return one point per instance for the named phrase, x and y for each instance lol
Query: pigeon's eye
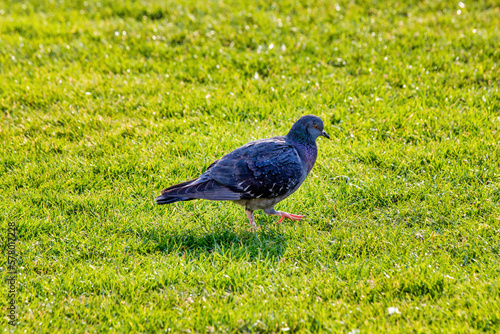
(316, 127)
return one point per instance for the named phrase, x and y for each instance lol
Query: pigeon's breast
(309, 154)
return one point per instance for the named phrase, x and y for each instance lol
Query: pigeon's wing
(262, 169)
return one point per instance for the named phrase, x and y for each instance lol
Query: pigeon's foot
(288, 216)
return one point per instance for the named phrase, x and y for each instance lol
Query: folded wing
(266, 168)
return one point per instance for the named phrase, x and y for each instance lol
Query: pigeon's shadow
(263, 243)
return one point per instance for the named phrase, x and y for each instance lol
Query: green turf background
(103, 104)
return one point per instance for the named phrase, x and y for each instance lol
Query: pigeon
(259, 174)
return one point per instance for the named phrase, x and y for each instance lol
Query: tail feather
(163, 199)
(194, 189)
(166, 196)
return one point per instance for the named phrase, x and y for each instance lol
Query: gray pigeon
(259, 174)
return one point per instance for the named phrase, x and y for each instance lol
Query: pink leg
(288, 216)
(250, 218)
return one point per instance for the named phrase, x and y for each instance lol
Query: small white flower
(393, 310)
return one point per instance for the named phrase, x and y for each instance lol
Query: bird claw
(289, 216)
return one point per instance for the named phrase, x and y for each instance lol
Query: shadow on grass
(267, 244)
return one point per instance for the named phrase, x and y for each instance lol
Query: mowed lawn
(103, 104)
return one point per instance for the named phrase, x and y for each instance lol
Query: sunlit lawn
(103, 104)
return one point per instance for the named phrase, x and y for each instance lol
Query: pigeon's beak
(324, 134)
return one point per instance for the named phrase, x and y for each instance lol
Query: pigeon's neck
(308, 151)
(301, 137)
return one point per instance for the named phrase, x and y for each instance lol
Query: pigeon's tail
(197, 188)
(168, 195)
(165, 199)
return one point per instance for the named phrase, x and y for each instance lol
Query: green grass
(103, 104)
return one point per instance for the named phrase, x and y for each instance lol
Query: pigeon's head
(308, 128)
